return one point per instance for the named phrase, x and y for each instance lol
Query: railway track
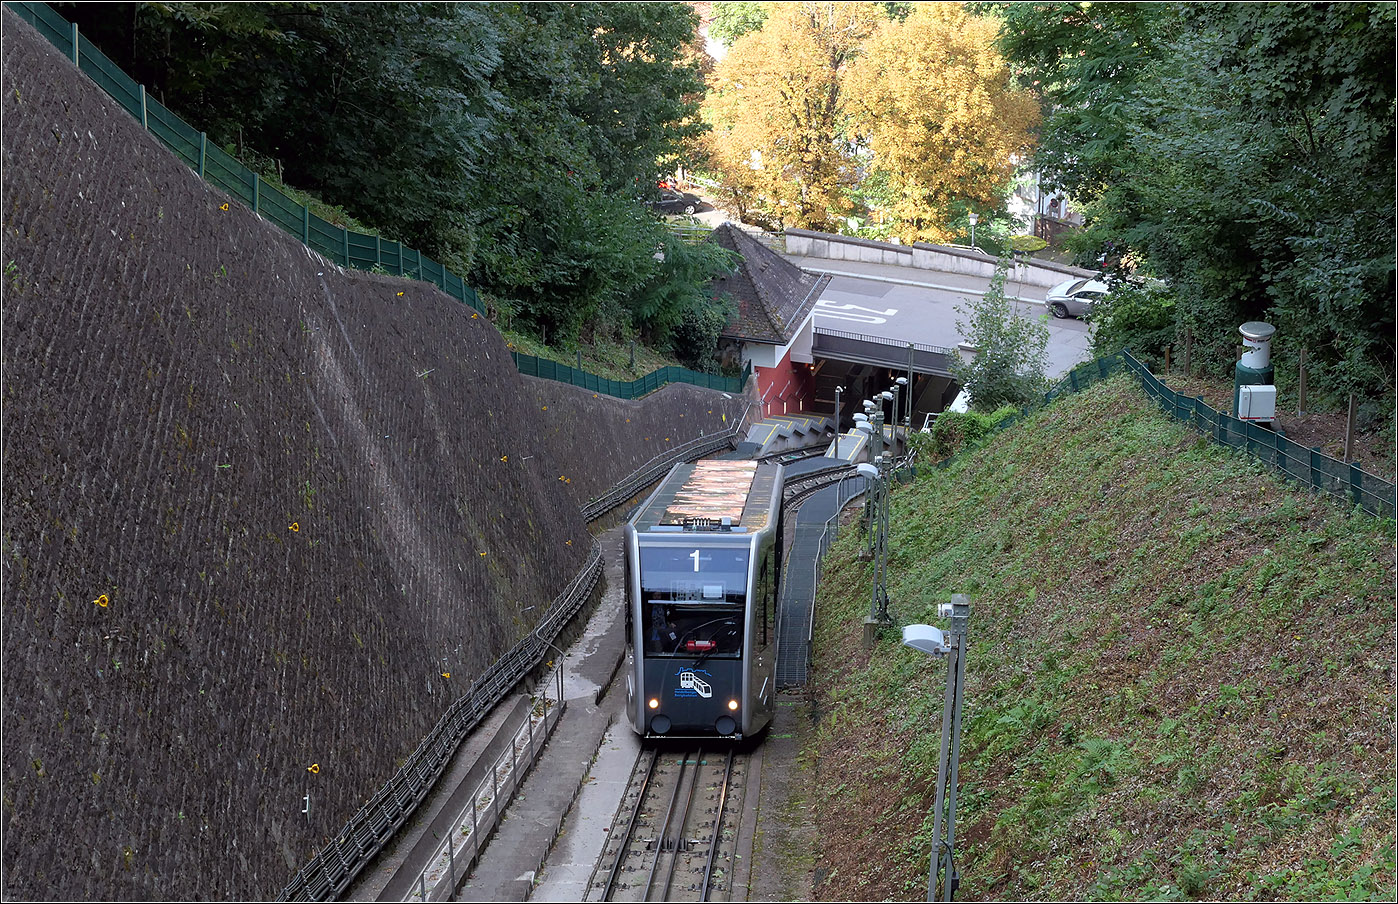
(674, 836)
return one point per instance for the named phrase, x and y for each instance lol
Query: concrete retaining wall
(921, 256)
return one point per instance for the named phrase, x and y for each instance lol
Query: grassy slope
(1180, 681)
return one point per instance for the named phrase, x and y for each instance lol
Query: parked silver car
(1075, 297)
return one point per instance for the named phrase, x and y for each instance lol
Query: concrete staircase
(784, 432)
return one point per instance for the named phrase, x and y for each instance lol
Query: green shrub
(1011, 350)
(956, 430)
(1141, 318)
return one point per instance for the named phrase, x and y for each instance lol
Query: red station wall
(786, 388)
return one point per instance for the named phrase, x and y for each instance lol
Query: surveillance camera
(944, 610)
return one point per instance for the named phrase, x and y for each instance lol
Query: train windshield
(695, 574)
(693, 599)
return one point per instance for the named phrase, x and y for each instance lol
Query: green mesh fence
(1310, 467)
(633, 389)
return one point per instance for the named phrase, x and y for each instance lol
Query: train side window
(764, 584)
(767, 594)
(626, 595)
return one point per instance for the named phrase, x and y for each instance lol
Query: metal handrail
(826, 538)
(879, 340)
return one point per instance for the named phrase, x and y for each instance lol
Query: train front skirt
(689, 698)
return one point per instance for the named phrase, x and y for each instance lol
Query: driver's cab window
(676, 629)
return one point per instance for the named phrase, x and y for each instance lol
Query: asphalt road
(903, 304)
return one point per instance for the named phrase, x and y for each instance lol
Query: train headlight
(732, 705)
(654, 703)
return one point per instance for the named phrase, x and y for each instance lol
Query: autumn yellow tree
(777, 107)
(933, 99)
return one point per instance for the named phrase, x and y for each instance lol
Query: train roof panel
(713, 490)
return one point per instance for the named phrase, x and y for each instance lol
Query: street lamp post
(861, 425)
(894, 416)
(885, 464)
(952, 644)
(837, 421)
(908, 420)
(878, 597)
(975, 218)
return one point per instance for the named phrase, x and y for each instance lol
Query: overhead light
(926, 639)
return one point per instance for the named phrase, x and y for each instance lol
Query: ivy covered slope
(1179, 684)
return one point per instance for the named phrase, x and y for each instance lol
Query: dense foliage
(834, 116)
(515, 142)
(1242, 152)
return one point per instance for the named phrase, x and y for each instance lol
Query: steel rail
(665, 825)
(718, 827)
(630, 827)
(684, 821)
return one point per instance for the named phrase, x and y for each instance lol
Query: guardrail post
(451, 859)
(74, 39)
(305, 224)
(145, 124)
(256, 193)
(344, 238)
(203, 151)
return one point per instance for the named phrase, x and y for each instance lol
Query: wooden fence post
(1349, 431)
(1301, 385)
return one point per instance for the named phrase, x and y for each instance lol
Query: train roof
(707, 492)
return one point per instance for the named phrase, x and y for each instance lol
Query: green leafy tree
(736, 18)
(513, 142)
(1242, 152)
(1011, 349)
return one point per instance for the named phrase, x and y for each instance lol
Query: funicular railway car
(703, 563)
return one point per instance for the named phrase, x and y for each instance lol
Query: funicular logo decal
(691, 685)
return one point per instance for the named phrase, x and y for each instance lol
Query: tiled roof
(774, 296)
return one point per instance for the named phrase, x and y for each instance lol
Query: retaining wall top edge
(927, 246)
